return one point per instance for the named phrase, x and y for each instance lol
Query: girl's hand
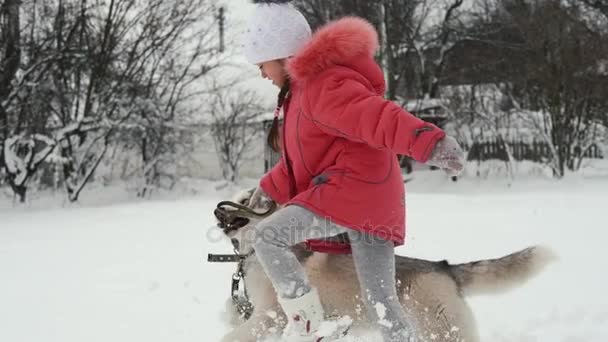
(258, 199)
(448, 155)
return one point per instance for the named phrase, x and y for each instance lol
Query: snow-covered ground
(137, 271)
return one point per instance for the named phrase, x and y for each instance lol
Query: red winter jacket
(341, 137)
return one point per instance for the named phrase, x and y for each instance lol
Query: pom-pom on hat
(276, 30)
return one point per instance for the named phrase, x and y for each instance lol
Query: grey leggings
(374, 260)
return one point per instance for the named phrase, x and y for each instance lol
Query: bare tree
(600, 5)
(417, 37)
(91, 69)
(480, 112)
(25, 153)
(394, 19)
(431, 36)
(10, 49)
(556, 86)
(169, 81)
(319, 12)
(236, 124)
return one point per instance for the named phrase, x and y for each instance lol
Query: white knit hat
(276, 30)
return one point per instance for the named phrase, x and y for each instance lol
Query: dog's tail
(500, 275)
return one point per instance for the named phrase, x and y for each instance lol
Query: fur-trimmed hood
(350, 42)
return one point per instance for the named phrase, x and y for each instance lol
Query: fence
(535, 151)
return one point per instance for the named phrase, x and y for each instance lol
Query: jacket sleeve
(345, 107)
(275, 183)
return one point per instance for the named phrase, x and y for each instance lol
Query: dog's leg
(441, 314)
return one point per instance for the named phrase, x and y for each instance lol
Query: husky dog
(432, 292)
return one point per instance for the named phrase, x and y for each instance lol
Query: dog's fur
(433, 293)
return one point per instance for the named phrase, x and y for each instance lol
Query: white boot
(306, 320)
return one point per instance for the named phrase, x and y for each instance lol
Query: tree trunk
(20, 191)
(9, 16)
(383, 41)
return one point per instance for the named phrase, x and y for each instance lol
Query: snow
(335, 328)
(137, 271)
(115, 268)
(14, 164)
(421, 105)
(381, 312)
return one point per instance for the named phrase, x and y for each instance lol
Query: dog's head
(238, 221)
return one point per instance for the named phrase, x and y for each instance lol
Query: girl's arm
(343, 106)
(275, 183)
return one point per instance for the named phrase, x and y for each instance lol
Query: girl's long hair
(273, 138)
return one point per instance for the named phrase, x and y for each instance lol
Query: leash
(228, 221)
(239, 211)
(242, 303)
(240, 299)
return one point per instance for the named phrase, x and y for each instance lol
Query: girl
(339, 171)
